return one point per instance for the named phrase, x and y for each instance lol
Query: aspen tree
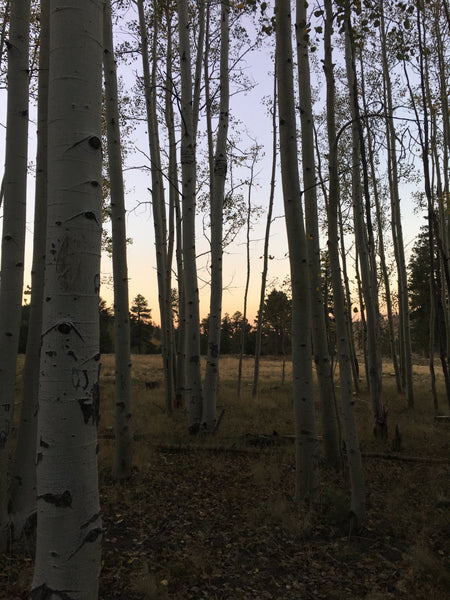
(23, 487)
(193, 388)
(345, 371)
(396, 221)
(216, 211)
(319, 334)
(124, 437)
(69, 527)
(364, 238)
(13, 234)
(158, 198)
(306, 447)
(175, 210)
(266, 240)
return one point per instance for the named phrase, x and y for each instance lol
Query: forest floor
(213, 517)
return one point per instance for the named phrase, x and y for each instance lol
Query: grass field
(213, 516)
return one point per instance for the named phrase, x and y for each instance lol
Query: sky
(254, 123)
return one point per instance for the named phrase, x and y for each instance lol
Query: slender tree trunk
(306, 439)
(364, 241)
(188, 166)
(69, 528)
(397, 232)
(174, 202)
(243, 323)
(23, 485)
(380, 226)
(216, 218)
(319, 334)
(124, 436)
(13, 234)
(266, 241)
(345, 371)
(348, 303)
(158, 200)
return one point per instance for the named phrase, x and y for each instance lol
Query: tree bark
(69, 528)
(266, 241)
(364, 240)
(345, 371)
(216, 218)
(319, 333)
(13, 234)
(23, 485)
(193, 388)
(306, 438)
(123, 454)
(158, 201)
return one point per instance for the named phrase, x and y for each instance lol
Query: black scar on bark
(43, 592)
(39, 457)
(64, 328)
(89, 539)
(89, 410)
(95, 142)
(43, 444)
(63, 500)
(72, 354)
(214, 349)
(91, 520)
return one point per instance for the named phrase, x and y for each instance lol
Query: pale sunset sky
(254, 124)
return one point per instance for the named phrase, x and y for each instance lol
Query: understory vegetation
(213, 516)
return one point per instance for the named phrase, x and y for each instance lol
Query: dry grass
(223, 525)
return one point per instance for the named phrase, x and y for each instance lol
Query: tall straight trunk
(193, 386)
(306, 439)
(243, 322)
(216, 219)
(124, 437)
(319, 333)
(364, 241)
(158, 200)
(345, 371)
(13, 234)
(348, 302)
(23, 485)
(424, 136)
(175, 212)
(380, 229)
(69, 527)
(266, 240)
(397, 232)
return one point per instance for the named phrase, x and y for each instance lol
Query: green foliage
(277, 316)
(141, 327)
(419, 291)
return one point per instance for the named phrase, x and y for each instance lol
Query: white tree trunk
(216, 216)
(364, 249)
(397, 232)
(13, 234)
(343, 347)
(319, 334)
(124, 436)
(69, 528)
(193, 387)
(306, 439)
(23, 485)
(266, 241)
(158, 200)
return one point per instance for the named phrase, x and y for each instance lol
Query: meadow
(213, 516)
